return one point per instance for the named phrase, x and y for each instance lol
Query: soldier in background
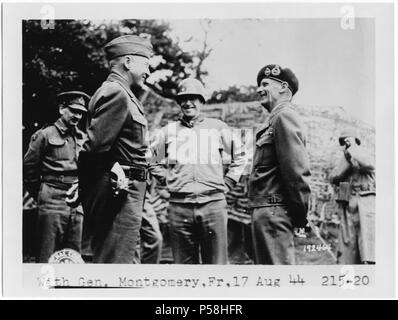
(149, 246)
(50, 170)
(279, 189)
(150, 235)
(354, 177)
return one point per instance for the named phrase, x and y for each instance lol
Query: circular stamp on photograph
(66, 256)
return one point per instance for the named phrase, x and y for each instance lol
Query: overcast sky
(334, 66)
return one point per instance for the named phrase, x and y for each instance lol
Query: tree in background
(71, 57)
(235, 94)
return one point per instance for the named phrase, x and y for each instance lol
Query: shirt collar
(63, 129)
(116, 76)
(278, 108)
(192, 123)
(61, 126)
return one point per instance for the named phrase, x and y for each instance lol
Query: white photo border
(21, 279)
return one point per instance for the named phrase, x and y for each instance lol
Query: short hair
(115, 62)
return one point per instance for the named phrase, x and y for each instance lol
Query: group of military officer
(107, 169)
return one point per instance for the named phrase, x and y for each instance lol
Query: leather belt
(60, 178)
(135, 173)
(60, 181)
(181, 195)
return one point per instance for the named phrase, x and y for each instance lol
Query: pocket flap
(56, 141)
(266, 138)
(137, 117)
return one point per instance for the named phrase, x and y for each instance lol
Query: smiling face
(70, 116)
(138, 69)
(270, 92)
(190, 106)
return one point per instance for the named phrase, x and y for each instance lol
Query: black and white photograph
(203, 142)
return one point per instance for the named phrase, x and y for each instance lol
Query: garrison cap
(128, 44)
(349, 132)
(74, 99)
(276, 72)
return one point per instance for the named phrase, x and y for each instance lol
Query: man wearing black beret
(278, 185)
(112, 166)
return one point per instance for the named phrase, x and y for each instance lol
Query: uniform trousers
(114, 222)
(58, 225)
(272, 233)
(150, 236)
(198, 232)
(357, 231)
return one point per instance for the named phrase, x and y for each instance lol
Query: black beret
(128, 44)
(276, 72)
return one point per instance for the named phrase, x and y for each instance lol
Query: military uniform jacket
(359, 172)
(117, 127)
(53, 150)
(194, 153)
(281, 165)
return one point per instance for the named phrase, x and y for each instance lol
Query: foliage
(71, 57)
(234, 94)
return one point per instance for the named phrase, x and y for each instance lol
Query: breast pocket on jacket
(264, 154)
(59, 149)
(139, 127)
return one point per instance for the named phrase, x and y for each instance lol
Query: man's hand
(163, 193)
(72, 196)
(119, 181)
(349, 141)
(351, 146)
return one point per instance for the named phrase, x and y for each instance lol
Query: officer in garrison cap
(112, 166)
(354, 177)
(50, 170)
(278, 185)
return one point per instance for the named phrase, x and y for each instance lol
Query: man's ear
(61, 109)
(128, 60)
(284, 87)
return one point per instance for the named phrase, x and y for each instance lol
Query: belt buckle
(273, 199)
(137, 174)
(141, 174)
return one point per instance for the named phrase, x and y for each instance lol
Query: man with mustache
(50, 170)
(278, 185)
(193, 148)
(112, 165)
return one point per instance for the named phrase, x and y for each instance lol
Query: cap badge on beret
(276, 71)
(267, 72)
